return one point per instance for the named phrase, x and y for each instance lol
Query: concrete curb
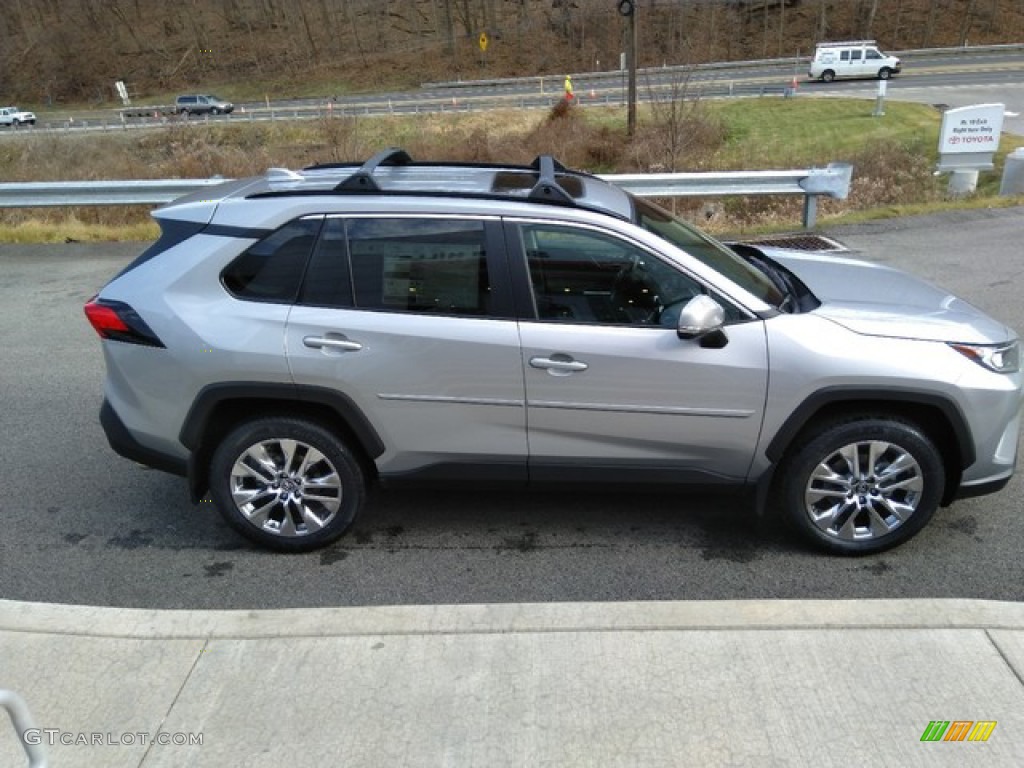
(77, 620)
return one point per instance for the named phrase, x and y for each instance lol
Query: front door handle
(342, 345)
(558, 365)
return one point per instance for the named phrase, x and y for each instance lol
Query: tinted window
(328, 281)
(844, 56)
(582, 276)
(271, 270)
(873, 54)
(419, 265)
(855, 55)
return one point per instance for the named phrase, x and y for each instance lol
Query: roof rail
(547, 189)
(833, 43)
(362, 180)
(545, 181)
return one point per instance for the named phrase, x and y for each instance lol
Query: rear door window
(420, 265)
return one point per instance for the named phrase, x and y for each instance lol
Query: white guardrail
(832, 181)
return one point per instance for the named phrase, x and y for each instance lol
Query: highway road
(78, 524)
(972, 71)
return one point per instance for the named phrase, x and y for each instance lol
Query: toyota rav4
(294, 339)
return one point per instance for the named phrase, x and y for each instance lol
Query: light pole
(627, 8)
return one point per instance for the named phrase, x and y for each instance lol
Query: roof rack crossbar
(547, 189)
(362, 180)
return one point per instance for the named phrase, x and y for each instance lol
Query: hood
(877, 300)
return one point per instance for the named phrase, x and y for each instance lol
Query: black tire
(215, 111)
(884, 73)
(828, 76)
(284, 458)
(884, 501)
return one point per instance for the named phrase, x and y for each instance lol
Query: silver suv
(202, 104)
(292, 340)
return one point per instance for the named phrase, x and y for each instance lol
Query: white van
(852, 58)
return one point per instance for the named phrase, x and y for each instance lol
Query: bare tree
(968, 19)
(676, 113)
(869, 17)
(929, 25)
(449, 27)
(821, 32)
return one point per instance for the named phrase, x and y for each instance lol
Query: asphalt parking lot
(81, 525)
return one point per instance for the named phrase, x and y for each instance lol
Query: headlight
(1001, 358)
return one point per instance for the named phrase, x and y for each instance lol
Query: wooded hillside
(60, 51)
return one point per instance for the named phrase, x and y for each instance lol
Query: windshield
(712, 253)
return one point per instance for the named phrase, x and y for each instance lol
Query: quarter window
(271, 270)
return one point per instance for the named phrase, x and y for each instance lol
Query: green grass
(813, 131)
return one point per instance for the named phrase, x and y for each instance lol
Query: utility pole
(627, 8)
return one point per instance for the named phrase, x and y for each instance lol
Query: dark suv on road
(293, 339)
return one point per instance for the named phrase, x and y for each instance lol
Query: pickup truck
(14, 117)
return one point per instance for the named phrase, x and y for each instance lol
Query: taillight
(118, 321)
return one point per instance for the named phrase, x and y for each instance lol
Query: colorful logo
(958, 730)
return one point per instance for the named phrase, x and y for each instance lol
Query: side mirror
(702, 318)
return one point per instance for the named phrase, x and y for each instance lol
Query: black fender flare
(213, 396)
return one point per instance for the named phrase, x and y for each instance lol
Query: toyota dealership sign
(969, 137)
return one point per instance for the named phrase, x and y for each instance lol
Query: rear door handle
(321, 342)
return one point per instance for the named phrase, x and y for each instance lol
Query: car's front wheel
(884, 73)
(863, 484)
(286, 483)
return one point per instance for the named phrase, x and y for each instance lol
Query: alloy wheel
(286, 487)
(863, 490)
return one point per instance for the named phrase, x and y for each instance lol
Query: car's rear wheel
(828, 76)
(286, 483)
(862, 484)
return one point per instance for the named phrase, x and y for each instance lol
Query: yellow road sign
(483, 41)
